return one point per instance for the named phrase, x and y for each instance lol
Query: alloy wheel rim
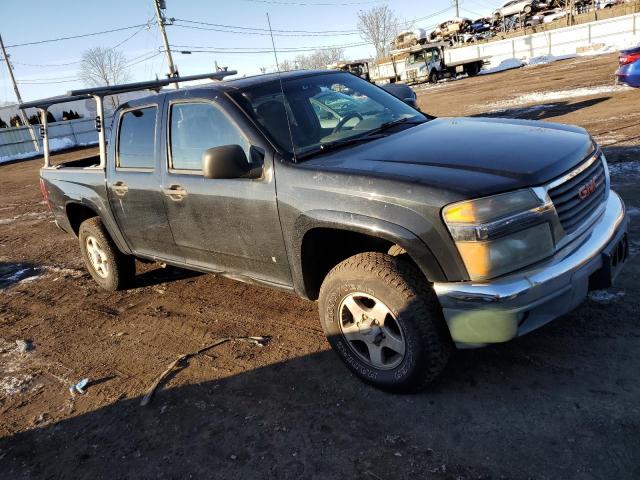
(372, 331)
(97, 257)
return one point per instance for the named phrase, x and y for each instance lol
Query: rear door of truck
(133, 181)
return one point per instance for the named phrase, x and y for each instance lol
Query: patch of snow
(508, 64)
(605, 296)
(29, 279)
(34, 215)
(545, 59)
(13, 385)
(71, 272)
(541, 97)
(624, 168)
(17, 275)
(55, 144)
(60, 143)
(18, 156)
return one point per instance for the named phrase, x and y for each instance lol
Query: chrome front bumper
(497, 311)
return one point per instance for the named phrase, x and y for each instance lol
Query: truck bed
(86, 157)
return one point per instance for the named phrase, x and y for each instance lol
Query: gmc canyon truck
(414, 234)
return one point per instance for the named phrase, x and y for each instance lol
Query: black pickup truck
(414, 234)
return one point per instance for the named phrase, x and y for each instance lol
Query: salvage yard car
(628, 72)
(411, 242)
(518, 7)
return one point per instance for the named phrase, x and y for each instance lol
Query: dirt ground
(561, 402)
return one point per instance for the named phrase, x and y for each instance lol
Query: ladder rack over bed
(98, 94)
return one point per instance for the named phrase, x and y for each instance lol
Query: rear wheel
(109, 267)
(385, 323)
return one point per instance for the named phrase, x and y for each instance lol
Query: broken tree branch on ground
(260, 341)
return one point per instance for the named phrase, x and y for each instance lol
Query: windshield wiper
(335, 145)
(407, 120)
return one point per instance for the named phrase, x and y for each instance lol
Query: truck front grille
(580, 194)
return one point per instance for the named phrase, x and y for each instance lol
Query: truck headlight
(502, 233)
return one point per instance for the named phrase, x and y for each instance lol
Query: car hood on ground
(470, 156)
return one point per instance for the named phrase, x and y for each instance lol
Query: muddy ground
(562, 402)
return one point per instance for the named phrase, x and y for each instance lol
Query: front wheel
(385, 323)
(110, 268)
(433, 77)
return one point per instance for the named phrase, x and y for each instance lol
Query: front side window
(137, 138)
(196, 127)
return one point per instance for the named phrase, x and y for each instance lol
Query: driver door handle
(175, 192)
(120, 188)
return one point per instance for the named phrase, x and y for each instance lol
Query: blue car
(629, 71)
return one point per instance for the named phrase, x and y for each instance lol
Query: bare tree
(103, 66)
(318, 59)
(286, 65)
(378, 26)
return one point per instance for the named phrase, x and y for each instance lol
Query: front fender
(414, 246)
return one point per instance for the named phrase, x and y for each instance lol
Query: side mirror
(227, 161)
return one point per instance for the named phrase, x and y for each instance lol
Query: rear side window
(196, 127)
(137, 138)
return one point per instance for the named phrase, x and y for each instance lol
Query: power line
(39, 42)
(238, 27)
(47, 64)
(146, 25)
(281, 49)
(144, 59)
(265, 34)
(268, 50)
(72, 78)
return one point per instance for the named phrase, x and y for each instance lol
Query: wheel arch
(79, 211)
(325, 238)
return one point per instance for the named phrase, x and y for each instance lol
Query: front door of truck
(229, 225)
(134, 183)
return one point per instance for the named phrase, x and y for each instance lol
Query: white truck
(435, 61)
(429, 62)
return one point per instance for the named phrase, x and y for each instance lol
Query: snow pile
(507, 64)
(18, 156)
(605, 296)
(55, 144)
(624, 169)
(60, 143)
(545, 59)
(542, 97)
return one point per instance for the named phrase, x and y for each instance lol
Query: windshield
(322, 110)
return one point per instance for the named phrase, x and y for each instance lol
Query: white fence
(17, 143)
(616, 32)
(612, 32)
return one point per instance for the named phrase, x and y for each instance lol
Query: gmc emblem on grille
(587, 189)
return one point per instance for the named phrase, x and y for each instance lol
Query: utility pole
(457, 5)
(160, 5)
(23, 116)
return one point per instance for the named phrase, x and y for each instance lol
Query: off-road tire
(121, 268)
(403, 289)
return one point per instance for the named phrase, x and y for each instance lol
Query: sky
(51, 68)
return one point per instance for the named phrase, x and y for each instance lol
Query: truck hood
(469, 156)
